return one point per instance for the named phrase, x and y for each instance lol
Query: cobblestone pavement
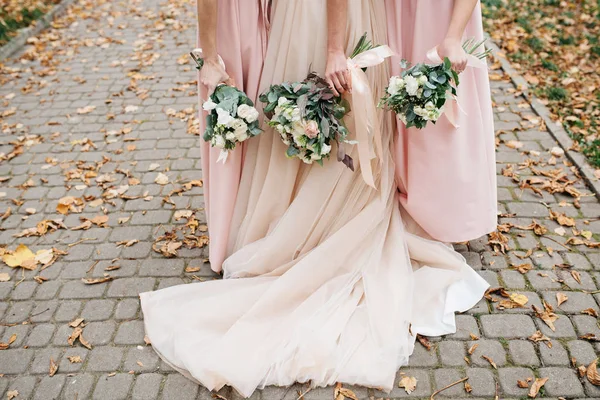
(128, 60)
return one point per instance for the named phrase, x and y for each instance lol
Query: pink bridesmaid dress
(241, 42)
(446, 175)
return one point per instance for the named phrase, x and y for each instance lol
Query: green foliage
(550, 65)
(556, 93)
(535, 43)
(13, 20)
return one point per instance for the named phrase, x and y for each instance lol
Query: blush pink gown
(241, 42)
(446, 175)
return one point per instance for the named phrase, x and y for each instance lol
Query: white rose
(412, 85)
(224, 118)
(325, 149)
(433, 115)
(315, 156)
(219, 142)
(429, 106)
(250, 114)
(297, 129)
(421, 112)
(422, 79)
(240, 129)
(209, 105)
(396, 85)
(282, 101)
(279, 128)
(295, 114)
(230, 136)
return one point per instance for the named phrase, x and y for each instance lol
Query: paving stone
(577, 301)
(98, 310)
(582, 351)
(19, 311)
(586, 324)
(452, 353)
(40, 335)
(130, 332)
(21, 332)
(66, 365)
(68, 310)
(146, 387)
(444, 377)
(177, 387)
(162, 267)
(48, 290)
(513, 279)
(507, 326)
(531, 210)
(489, 348)
(99, 333)
(78, 290)
(561, 382)
(141, 359)
(24, 291)
(482, 381)
(543, 280)
(465, 326)
(480, 308)
(494, 261)
(105, 359)
(130, 287)
(508, 378)
(41, 361)
(127, 309)
(49, 387)
(78, 386)
(578, 261)
(15, 361)
(24, 385)
(563, 328)
(522, 352)
(532, 299)
(422, 358)
(113, 387)
(491, 277)
(555, 355)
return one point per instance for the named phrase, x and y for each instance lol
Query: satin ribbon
(368, 133)
(223, 154)
(452, 108)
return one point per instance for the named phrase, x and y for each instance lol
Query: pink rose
(312, 129)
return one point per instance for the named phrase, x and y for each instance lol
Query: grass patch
(15, 15)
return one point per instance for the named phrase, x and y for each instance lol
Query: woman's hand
(452, 48)
(212, 74)
(337, 74)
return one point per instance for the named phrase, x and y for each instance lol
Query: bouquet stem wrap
(368, 133)
(452, 107)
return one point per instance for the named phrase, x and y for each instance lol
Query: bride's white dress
(327, 282)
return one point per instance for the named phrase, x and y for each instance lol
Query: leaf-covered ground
(556, 46)
(17, 14)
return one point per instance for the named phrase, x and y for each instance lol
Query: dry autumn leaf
(592, 373)
(590, 311)
(53, 367)
(75, 359)
(4, 277)
(12, 394)
(94, 281)
(536, 386)
(522, 384)
(21, 257)
(408, 383)
(161, 179)
(561, 298)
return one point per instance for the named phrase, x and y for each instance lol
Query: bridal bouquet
(308, 118)
(231, 118)
(421, 93)
(307, 115)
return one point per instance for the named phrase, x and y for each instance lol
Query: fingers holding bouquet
(455, 52)
(337, 73)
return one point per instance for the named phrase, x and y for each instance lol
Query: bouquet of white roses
(307, 116)
(231, 118)
(420, 94)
